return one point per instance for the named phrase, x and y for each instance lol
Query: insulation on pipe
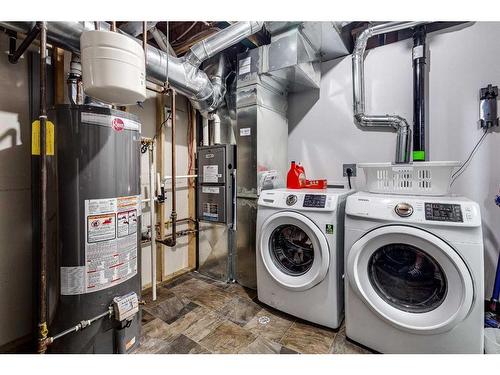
(162, 41)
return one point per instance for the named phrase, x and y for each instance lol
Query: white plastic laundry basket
(420, 178)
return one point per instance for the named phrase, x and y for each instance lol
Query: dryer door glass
(291, 250)
(407, 278)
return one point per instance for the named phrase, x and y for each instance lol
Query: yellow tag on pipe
(49, 138)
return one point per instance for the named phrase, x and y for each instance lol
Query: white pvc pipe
(205, 132)
(153, 222)
(180, 177)
(216, 119)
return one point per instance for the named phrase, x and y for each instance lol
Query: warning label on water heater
(110, 246)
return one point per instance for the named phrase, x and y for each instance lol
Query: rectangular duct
(297, 49)
(293, 61)
(262, 141)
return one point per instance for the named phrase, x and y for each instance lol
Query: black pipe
(15, 54)
(42, 325)
(419, 77)
(12, 42)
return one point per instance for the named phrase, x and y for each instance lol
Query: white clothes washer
(300, 253)
(414, 273)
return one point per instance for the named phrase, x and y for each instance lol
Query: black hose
(349, 175)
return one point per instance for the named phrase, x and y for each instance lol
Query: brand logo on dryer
(291, 200)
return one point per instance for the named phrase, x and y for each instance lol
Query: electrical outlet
(353, 168)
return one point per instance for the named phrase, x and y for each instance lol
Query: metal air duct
(183, 73)
(364, 120)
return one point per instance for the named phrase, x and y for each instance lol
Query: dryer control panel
(442, 211)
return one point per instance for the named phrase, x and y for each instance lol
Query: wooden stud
(59, 76)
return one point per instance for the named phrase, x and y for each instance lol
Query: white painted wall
(322, 134)
(15, 199)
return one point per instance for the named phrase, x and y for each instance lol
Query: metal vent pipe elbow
(403, 146)
(216, 43)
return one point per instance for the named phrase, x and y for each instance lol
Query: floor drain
(264, 320)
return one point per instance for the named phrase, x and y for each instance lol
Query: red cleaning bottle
(295, 176)
(302, 175)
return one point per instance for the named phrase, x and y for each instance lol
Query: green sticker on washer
(329, 228)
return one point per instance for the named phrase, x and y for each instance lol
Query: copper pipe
(113, 26)
(167, 240)
(42, 323)
(172, 240)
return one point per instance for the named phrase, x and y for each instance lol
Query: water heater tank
(95, 221)
(113, 67)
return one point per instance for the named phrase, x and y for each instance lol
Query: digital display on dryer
(314, 200)
(443, 212)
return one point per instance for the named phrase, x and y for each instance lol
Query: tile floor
(195, 314)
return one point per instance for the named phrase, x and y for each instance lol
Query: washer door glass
(407, 278)
(291, 249)
(411, 279)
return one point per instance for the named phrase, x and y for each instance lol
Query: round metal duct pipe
(183, 73)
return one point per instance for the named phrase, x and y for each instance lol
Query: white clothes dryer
(414, 273)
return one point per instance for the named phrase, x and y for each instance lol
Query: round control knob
(403, 209)
(291, 200)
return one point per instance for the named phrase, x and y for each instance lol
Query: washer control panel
(303, 200)
(443, 212)
(314, 200)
